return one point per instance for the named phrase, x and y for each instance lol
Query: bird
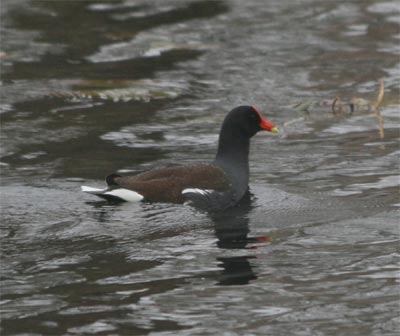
(212, 186)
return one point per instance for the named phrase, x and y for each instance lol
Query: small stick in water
(378, 111)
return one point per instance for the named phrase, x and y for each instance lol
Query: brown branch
(378, 111)
(339, 101)
(380, 95)
(380, 123)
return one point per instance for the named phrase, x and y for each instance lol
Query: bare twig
(338, 101)
(380, 123)
(377, 103)
(380, 95)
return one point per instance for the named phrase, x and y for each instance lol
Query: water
(90, 88)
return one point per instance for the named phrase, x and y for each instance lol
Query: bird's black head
(246, 121)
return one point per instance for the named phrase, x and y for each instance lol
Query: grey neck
(233, 157)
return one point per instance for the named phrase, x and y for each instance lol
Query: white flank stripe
(125, 194)
(196, 191)
(91, 190)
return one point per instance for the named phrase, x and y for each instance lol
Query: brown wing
(166, 184)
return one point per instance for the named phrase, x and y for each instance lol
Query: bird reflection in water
(232, 230)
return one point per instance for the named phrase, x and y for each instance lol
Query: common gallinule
(216, 185)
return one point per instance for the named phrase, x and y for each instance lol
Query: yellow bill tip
(275, 130)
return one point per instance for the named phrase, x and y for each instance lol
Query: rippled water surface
(94, 87)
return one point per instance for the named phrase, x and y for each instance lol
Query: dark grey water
(94, 87)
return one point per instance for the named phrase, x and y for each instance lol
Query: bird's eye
(254, 117)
